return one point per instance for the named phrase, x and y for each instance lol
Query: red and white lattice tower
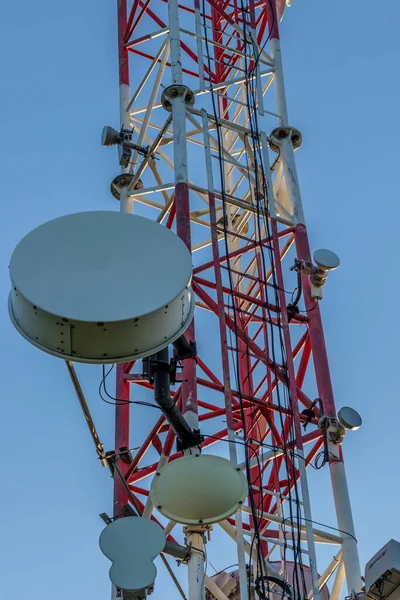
(201, 84)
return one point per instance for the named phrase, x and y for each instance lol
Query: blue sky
(58, 88)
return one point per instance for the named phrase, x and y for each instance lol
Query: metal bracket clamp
(181, 553)
(317, 276)
(204, 530)
(304, 266)
(173, 91)
(334, 429)
(310, 413)
(150, 366)
(194, 442)
(182, 349)
(197, 528)
(123, 139)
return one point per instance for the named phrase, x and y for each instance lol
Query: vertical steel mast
(201, 84)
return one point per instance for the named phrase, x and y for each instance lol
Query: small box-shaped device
(382, 573)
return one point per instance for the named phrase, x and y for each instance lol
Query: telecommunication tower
(207, 150)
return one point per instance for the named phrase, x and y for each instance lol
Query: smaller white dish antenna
(349, 418)
(198, 489)
(132, 543)
(326, 260)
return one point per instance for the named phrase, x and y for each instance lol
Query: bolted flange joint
(121, 181)
(173, 91)
(281, 133)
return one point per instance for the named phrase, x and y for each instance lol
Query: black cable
(279, 449)
(298, 289)
(306, 312)
(253, 115)
(251, 497)
(330, 527)
(118, 401)
(318, 464)
(223, 570)
(291, 471)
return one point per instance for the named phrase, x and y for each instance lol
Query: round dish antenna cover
(198, 489)
(349, 418)
(101, 287)
(326, 259)
(132, 543)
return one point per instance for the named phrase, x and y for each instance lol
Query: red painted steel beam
(320, 357)
(256, 301)
(146, 444)
(184, 46)
(150, 57)
(236, 253)
(210, 441)
(256, 366)
(122, 387)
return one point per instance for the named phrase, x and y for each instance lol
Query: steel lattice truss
(200, 180)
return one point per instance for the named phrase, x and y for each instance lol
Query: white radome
(101, 287)
(198, 489)
(349, 418)
(326, 259)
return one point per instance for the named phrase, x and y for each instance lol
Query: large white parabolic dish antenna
(101, 287)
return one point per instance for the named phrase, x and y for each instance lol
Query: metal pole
(346, 525)
(196, 572)
(189, 389)
(243, 584)
(123, 65)
(338, 583)
(337, 470)
(296, 418)
(122, 386)
(330, 569)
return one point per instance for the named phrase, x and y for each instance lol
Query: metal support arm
(187, 437)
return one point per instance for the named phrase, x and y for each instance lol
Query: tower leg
(337, 469)
(346, 525)
(196, 571)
